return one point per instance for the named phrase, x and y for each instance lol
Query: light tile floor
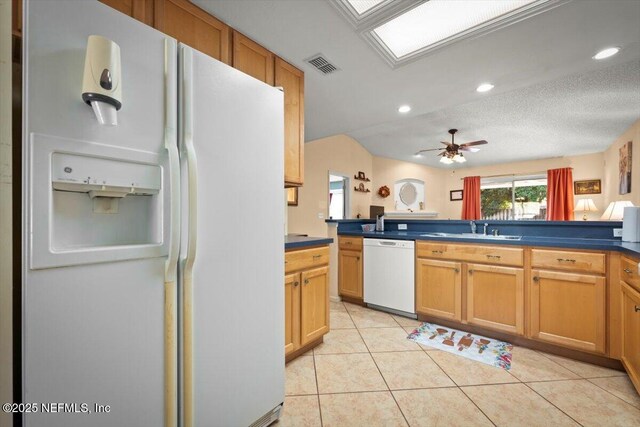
(366, 373)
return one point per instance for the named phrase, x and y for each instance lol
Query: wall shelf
(361, 191)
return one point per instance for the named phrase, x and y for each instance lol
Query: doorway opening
(338, 196)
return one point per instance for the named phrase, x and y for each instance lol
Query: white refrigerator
(153, 254)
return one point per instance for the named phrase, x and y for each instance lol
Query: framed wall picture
(589, 186)
(292, 196)
(455, 195)
(624, 167)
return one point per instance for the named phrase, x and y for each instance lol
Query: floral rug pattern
(475, 347)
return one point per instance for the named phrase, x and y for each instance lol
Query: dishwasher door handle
(386, 243)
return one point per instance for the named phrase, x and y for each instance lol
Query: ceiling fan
(452, 151)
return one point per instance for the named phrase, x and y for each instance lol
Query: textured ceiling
(551, 99)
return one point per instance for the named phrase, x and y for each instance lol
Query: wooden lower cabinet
(439, 288)
(495, 297)
(630, 354)
(569, 309)
(292, 312)
(306, 298)
(314, 304)
(350, 274)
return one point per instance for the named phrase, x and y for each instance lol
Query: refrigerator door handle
(186, 89)
(192, 174)
(171, 145)
(171, 266)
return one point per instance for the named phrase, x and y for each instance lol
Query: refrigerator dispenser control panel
(103, 177)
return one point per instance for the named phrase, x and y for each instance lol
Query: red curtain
(471, 198)
(560, 194)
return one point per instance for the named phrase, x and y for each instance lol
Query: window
(514, 197)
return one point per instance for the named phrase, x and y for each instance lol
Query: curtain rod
(512, 174)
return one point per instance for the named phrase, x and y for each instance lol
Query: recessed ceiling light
(417, 155)
(485, 87)
(606, 53)
(404, 109)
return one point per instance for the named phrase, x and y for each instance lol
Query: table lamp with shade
(584, 206)
(615, 210)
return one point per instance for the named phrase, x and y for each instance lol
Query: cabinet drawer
(306, 258)
(474, 253)
(566, 260)
(346, 242)
(629, 272)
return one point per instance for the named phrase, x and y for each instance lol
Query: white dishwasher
(389, 278)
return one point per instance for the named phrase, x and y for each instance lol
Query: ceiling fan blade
(469, 149)
(469, 144)
(432, 149)
(445, 143)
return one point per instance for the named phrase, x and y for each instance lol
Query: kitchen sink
(472, 236)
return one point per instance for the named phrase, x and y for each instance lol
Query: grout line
(597, 385)
(476, 405)
(552, 404)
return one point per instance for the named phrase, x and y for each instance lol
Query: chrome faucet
(485, 228)
(473, 227)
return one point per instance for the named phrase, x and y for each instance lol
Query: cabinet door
(193, 26)
(16, 17)
(439, 288)
(568, 309)
(350, 274)
(291, 312)
(495, 297)
(251, 58)
(292, 81)
(631, 333)
(142, 10)
(314, 304)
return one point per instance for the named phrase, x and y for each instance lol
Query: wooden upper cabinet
(193, 26)
(16, 17)
(292, 81)
(252, 59)
(142, 10)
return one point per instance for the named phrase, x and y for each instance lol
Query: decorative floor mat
(475, 347)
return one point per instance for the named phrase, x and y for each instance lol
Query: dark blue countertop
(293, 241)
(574, 234)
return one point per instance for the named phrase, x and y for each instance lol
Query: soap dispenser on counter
(380, 222)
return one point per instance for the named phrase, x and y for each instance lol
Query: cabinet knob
(357, 258)
(494, 256)
(347, 243)
(566, 260)
(437, 252)
(636, 308)
(316, 256)
(306, 281)
(626, 270)
(296, 283)
(536, 279)
(470, 271)
(457, 270)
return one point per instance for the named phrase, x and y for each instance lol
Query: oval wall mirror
(408, 194)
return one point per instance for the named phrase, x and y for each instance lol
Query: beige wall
(388, 171)
(611, 158)
(589, 166)
(338, 154)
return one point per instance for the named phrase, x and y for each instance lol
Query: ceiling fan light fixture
(485, 87)
(459, 158)
(606, 53)
(418, 155)
(446, 160)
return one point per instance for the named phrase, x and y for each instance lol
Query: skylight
(362, 6)
(438, 21)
